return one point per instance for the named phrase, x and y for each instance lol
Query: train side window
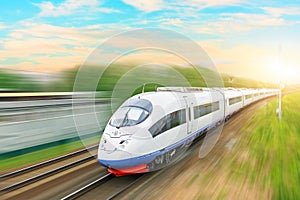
(205, 109)
(235, 100)
(168, 122)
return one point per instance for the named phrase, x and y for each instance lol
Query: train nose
(112, 149)
(112, 159)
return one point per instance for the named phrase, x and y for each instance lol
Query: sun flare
(280, 70)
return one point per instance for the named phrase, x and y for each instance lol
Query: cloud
(159, 20)
(154, 5)
(108, 10)
(238, 22)
(48, 45)
(2, 26)
(277, 12)
(23, 48)
(68, 7)
(200, 4)
(253, 20)
(89, 35)
(65, 8)
(42, 54)
(146, 5)
(174, 22)
(16, 35)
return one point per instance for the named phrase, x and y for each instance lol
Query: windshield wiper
(125, 119)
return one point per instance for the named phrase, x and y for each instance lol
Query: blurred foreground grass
(269, 153)
(45, 154)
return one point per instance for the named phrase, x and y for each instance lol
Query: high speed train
(150, 130)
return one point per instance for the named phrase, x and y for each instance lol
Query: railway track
(14, 180)
(106, 187)
(88, 187)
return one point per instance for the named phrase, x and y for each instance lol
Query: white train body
(150, 129)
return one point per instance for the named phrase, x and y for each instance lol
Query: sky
(247, 38)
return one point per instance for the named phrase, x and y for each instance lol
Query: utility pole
(279, 111)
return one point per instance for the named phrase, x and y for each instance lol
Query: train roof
(166, 97)
(182, 89)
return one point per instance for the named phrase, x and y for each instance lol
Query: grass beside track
(270, 149)
(45, 154)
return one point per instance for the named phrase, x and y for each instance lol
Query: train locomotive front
(128, 144)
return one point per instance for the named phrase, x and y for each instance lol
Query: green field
(271, 150)
(45, 154)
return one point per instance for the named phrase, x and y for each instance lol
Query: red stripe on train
(127, 171)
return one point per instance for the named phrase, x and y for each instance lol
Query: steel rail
(88, 187)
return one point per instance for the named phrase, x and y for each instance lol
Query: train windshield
(128, 116)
